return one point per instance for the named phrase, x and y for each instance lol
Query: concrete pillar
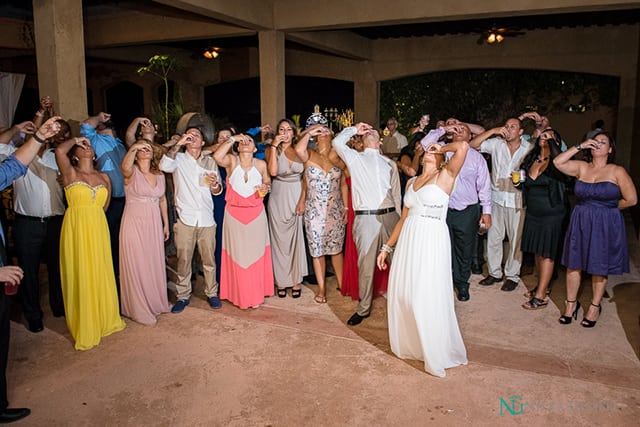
(634, 148)
(272, 71)
(366, 97)
(59, 37)
(627, 110)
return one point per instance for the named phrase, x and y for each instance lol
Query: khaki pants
(369, 233)
(509, 222)
(186, 239)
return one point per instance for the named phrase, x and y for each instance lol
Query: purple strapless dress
(596, 240)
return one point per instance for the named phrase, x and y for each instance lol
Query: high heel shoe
(566, 320)
(586, 323)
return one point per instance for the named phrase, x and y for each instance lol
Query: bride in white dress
(422, 320)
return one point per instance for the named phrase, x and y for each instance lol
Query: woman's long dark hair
(558, 186)
(409, 150)
(554, 149)
(611, 158)
(293, 126)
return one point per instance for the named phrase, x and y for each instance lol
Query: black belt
(37, 218)
(376, 212)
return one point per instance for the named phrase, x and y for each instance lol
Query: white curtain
(10, 89)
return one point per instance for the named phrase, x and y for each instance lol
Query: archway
(125, 101)
(571, 100)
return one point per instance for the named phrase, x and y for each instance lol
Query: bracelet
(39, 113)
(578, 147)
(39, 139)
(386, 248)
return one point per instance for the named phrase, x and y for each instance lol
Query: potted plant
(166, 113)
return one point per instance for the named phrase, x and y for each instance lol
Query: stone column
(633, 120)
(272, 71)
(59, 36)
(366, 97)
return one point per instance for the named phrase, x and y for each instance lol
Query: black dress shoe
(489, 280)
(356, 319)
(36, 326)
(463, 294)
(509, 285)
(10, 415)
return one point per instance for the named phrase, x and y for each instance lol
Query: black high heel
(586, 323)
(566, 320)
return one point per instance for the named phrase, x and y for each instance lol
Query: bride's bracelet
(386, 248)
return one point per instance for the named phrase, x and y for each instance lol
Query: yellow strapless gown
(88, 282)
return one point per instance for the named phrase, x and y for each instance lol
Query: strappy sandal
(566, 320)
(535, 304)
(586, 323)
(295, 293)
(320, 299)
(532, 293)
(282, 292)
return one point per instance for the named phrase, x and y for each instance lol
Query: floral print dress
(323, 211)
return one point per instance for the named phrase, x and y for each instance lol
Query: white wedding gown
(422, 320)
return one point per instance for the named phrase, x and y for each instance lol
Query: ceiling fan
(496, 35)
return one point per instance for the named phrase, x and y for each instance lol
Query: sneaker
(214, 302)
(179, 306)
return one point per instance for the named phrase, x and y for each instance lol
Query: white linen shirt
(374, 178)
(38, 193)
(193, 201)
(503, 192)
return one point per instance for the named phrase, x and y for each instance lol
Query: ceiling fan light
(499, 38)
(491, 38)
(211, 53)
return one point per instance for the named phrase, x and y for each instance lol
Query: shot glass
(10, 289)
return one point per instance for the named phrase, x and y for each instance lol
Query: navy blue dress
(219, 203)
(596, 241)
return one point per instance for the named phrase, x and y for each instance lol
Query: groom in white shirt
(376, 202)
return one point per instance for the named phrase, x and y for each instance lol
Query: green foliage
(488, 97)
(172, 113)
(161, 66)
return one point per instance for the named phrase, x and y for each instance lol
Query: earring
(75, 158)
(94, 158)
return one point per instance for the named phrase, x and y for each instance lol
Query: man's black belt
(376, 212)
(37, 218)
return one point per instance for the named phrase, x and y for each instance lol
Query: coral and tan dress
(246, 275)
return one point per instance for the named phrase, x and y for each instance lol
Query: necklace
(540, 160)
